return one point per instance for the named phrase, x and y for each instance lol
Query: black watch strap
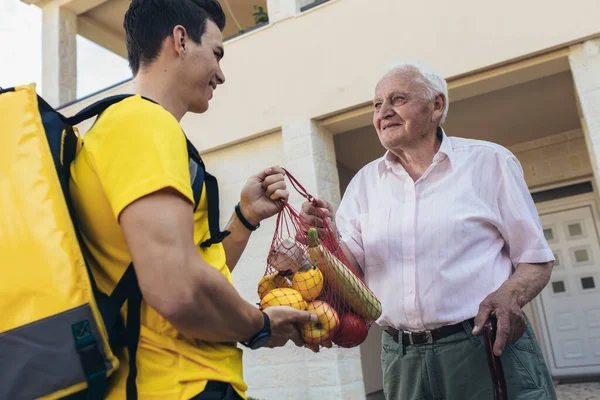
(262, 337)
(243, 219)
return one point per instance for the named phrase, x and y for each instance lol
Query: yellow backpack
(58, 331)
(54, 339)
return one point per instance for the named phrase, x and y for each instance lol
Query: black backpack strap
(200, 177)
(128, 289)
(96, 109)
(88, 346)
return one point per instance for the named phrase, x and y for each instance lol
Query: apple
(309, 283)
(283, 297)
(353, 330)
(270, 282)
(315, 333)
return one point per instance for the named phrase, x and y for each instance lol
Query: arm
(182, 287)
(175, 280)
(528, 281)
(236, 242)
(259, 200)
(506, 302)
(528, 250)
(150, 194)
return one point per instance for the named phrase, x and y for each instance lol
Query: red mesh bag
(307, 270)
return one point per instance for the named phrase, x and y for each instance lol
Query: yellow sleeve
(141, 150)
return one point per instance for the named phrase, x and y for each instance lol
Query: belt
(426, 337)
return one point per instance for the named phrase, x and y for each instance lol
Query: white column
(309, 155)
(585, 66)
(282, 9)
(59, 54)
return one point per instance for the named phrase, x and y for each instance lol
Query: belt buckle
(428, 337)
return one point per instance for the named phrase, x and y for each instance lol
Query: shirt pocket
(375, 235)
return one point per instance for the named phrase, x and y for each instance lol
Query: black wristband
(243, 219)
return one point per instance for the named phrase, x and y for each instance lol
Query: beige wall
(328, 59)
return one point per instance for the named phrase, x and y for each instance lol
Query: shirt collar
(389, 160)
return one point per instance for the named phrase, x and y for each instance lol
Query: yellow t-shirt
(135, 148)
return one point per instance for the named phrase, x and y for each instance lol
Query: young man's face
(200, 71)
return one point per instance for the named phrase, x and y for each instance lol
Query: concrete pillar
(309, 155)
(282, 9)
(585, 67)
(59, 54)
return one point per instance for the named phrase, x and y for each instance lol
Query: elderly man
(447, 235)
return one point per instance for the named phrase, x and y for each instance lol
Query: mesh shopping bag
(308, 270)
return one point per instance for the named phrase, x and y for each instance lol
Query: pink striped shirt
(433, 249)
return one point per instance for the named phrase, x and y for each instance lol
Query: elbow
(184, 309)
(176, 293)
(171, 306)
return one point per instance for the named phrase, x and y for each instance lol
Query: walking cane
(494, 362)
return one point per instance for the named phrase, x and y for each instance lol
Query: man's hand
(313, 214)
(261, 194)
(504, 305)
(284, 325)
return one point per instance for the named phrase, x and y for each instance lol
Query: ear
(439, 104)
(180, 40)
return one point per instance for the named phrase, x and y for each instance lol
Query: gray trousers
(455, 368)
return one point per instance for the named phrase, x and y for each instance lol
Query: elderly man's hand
(504, 305)
(315, 213)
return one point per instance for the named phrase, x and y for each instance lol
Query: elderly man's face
(402, 115)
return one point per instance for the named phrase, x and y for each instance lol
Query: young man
(132, 192)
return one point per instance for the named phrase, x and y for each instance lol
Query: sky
(21, 53)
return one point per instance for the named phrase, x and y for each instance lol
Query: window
(575, 230)
(581, 256)
(588, 282)
(559, 287)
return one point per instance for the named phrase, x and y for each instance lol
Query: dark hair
(148, 22)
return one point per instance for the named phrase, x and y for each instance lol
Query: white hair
(432, 81)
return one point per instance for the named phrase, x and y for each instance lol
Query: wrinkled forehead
(398, 81)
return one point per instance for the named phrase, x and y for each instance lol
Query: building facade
(525, 75)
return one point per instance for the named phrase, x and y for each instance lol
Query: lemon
(283, 297)
(309, 283)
